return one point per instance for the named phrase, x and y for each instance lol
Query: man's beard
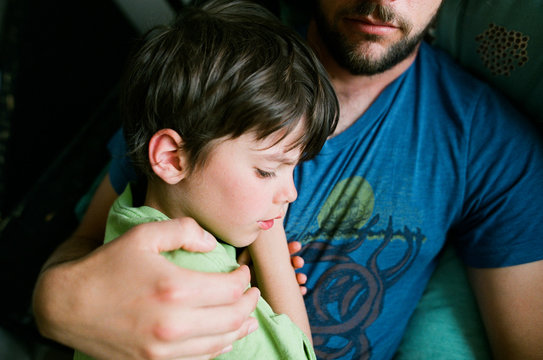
(347, 54)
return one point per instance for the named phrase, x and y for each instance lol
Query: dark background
(60, 62)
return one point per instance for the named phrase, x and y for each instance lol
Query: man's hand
(126, 301)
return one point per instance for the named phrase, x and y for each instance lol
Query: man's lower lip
(368, 28)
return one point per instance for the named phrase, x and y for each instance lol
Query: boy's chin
(242, 241)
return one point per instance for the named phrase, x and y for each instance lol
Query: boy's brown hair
(221, 70)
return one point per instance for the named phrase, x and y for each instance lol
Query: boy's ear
(167, 160)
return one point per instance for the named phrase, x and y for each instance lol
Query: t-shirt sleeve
(502, 221)
(121, 170)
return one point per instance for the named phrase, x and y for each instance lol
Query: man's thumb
(183, 233)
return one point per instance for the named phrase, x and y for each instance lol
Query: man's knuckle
(167, 291)
(217, 347)
(233, 294)
(236, 321)
(152, 352)
(162, 332)
(188, 223)
(139, 233)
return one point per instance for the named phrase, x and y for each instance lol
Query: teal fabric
(446, 323)
(277, 337)
(502, 42)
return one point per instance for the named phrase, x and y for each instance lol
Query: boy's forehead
(290, 157)
(280, 146)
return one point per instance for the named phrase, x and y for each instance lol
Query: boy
(217, 110)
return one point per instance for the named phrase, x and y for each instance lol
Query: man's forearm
(72, 249)
(59, 275)
(56, 273)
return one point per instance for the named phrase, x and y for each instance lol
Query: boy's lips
(267, 224)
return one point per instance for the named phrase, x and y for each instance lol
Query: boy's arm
(276, 278)
(511, 304)
(124, 300)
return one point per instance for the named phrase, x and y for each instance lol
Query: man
(423, 153)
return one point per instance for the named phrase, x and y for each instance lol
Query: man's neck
(355, 93)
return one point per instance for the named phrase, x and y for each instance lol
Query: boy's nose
(292, 193)
(287, 192)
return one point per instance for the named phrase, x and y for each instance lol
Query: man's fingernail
(253, 326)
(226, 349)
(209, 238)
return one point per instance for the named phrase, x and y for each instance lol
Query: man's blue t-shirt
(438, 156)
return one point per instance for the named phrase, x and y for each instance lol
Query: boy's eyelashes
(264, 174)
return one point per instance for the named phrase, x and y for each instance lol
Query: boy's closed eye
(265, 174)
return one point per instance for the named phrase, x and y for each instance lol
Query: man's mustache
(380, 12)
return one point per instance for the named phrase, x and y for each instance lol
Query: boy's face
(244, 187)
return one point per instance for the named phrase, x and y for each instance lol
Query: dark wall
(60, 63)
(64, 57)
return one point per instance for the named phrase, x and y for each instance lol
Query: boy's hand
(297, 263)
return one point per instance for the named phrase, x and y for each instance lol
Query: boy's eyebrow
(280, 158)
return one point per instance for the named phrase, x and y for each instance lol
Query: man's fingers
(206, 320)
(193, 288)
(206, 330)
(174, 234)
(211, 345)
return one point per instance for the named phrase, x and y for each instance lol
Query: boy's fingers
(297, 262)
(294, 247)
(301, 278)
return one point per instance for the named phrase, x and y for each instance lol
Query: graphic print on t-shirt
(348, 296)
